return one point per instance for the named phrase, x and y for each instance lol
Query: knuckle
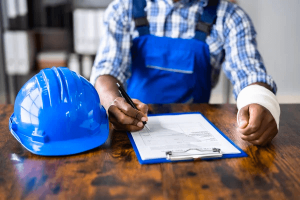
(111, 108)
(249, 138)
(254, 127)
(121, 119)
(126, 109)
(121, 99)
(117, 99)
(242, 132)
(259, 107)
(245, 108)
(136, 101)
(242, 115)
(115, 104)
(145, 107)
(135, 128)
(134, 122)
(138, 115)
(243, 137)
(258, 142)
(254, 137)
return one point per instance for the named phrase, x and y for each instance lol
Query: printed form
(179, 133)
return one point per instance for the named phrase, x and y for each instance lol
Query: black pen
(129, 101)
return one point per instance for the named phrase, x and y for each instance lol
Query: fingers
(117, 125)
(117, 115)
(255, 115)
(130, 111)
(261, 127)
(265, 124)
(273, 134)
(124, 117)
(141, 106)
(267, 137)
(243, 117)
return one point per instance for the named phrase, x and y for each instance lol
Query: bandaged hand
(256, 124)
(258, 115)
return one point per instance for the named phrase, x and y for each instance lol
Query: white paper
(179, 133)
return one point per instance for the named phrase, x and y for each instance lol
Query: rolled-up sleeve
(113, 55)
(243, 63)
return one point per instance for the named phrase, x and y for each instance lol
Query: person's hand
(124, 117)
(256, 124)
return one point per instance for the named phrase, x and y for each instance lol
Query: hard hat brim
(61, 148)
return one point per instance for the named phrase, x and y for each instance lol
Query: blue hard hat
(58, 112)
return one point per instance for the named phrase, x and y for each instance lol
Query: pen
(129, 101)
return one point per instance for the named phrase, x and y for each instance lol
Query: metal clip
(194, 154)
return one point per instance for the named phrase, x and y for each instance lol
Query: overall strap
(207, 20)
(140, 17)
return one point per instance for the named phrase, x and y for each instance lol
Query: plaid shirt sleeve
(113, 57)
(243, 63)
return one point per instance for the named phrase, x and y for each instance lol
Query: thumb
(243, 117)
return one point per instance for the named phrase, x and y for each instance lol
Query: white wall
(277, 23)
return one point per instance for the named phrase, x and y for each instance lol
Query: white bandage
(259, 95)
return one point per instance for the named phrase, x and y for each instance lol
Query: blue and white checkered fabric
(232, 37)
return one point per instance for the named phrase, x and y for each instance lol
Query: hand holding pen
(124, 117)
(129, 101)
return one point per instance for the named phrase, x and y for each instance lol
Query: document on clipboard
(181, 137)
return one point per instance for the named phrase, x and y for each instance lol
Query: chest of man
(173, 19)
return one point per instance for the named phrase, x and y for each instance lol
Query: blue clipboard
(164, 160)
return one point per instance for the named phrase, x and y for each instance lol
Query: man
(171, 51)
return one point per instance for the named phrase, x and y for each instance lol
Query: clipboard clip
(194, 154)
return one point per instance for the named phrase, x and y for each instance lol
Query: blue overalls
(167, 70)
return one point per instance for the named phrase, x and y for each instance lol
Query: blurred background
(37, 34)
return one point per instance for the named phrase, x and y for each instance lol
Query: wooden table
(113, 172)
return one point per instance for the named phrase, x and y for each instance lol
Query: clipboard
(189, 154)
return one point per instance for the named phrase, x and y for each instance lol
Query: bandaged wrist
(256, 94)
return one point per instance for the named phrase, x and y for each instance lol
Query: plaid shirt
(232, 37)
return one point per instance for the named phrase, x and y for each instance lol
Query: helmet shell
(58, 112)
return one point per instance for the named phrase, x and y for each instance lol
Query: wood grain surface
(112, 171)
